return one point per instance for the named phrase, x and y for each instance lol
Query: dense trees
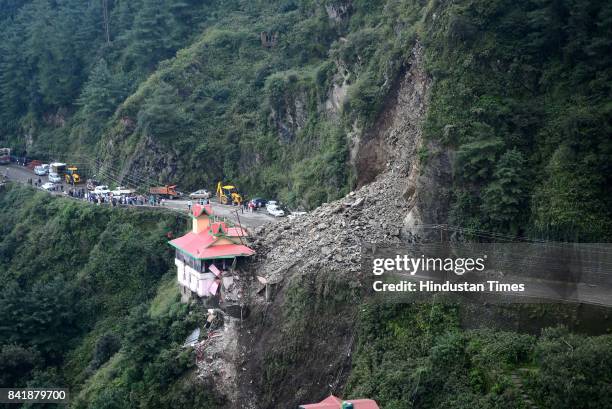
(525, 81)
(415, 355)
(55, 54)
(101, 92)
(76, 285)
(534, 76)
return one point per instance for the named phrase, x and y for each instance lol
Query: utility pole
(106, 18)
(238, 218)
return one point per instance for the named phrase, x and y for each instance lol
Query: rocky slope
(289, 347)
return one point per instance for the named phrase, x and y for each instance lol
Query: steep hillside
(320, 332)
(86, 302)
(380, 117)
(276, 96)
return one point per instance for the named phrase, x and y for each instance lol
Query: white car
(294, 215)
(274, 209)
(41, 170)
(48, 186)
(55, 178)
(121, 191)
(101, 190)
(200, 194)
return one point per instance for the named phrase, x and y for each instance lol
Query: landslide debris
(296, 346)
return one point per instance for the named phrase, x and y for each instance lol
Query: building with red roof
(206, 256)
(333, 402)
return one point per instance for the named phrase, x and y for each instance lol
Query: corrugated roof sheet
(236, 232)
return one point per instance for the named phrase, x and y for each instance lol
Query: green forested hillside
(88, 301)
(419, 356)
(521, 93)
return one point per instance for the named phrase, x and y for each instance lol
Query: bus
(5, 156)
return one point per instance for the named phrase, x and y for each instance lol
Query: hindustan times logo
(499, 272)
(412, 265)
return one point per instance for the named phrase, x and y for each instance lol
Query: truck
(168, 191)
(5, 156)
(57, 167)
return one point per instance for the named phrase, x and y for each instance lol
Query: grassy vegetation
(428, 355)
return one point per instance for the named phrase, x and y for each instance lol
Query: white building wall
(192, 279)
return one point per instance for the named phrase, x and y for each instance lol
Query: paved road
(21, 174)
(234, 213)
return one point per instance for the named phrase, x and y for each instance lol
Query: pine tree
(13, 78)
(504, 199)
(149, 37)
(163, 115)
(100, 94)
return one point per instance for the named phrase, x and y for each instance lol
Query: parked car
(200, 194)
(101, 190)
(258, 202)
(121, 191)
(48, 186)
(294, 215)
(55, 178)
(41, 170)
(274, 209)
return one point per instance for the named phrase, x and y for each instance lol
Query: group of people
(248, 206)
(123, 200)
(98, 198)
(127, 200)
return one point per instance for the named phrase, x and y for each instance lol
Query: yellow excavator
(71, 175)
(228, 194)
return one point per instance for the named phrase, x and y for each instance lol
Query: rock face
(318, 255)
(381, 210)
(148, 162)
(338, 11)
(289, 120)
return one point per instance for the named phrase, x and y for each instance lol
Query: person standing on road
(189, 205)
